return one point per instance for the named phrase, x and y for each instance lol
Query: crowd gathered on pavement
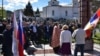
(58, 35)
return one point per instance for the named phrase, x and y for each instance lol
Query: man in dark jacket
(26, 35)
(34, 33)
(2, 28)
(48, 29)
(7, 42)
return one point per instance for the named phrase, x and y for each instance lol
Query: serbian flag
(18, 36)
(92, 23)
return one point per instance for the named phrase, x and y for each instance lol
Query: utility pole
(2, 9)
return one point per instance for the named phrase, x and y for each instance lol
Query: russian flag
(92, 23)
(18, 36)
(15, 40)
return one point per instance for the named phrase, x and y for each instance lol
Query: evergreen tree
(28, 11)
(37, 13)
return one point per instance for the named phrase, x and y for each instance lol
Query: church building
(56, 11)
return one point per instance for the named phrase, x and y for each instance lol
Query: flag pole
(44, 47)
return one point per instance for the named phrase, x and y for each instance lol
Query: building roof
(60, 6)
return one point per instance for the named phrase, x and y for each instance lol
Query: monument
(84, 18)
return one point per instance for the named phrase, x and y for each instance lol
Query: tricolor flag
(18, 36)
(92, 23)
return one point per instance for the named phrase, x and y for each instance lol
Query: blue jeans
(79, 47)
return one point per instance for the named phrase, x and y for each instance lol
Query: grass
(96, 38)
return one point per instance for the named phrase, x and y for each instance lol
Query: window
(53, 12)
(75, 13)
(66, 13)
(75, 3)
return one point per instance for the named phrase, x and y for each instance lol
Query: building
(56, 11)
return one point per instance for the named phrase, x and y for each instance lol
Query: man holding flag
(80, 34)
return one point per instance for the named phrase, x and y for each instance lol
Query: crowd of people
(58, 36)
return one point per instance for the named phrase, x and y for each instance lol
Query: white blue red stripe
(92, 23)
(18, 36)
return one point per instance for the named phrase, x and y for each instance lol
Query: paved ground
(46, 50)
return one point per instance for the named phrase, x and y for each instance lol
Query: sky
(20, 4)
